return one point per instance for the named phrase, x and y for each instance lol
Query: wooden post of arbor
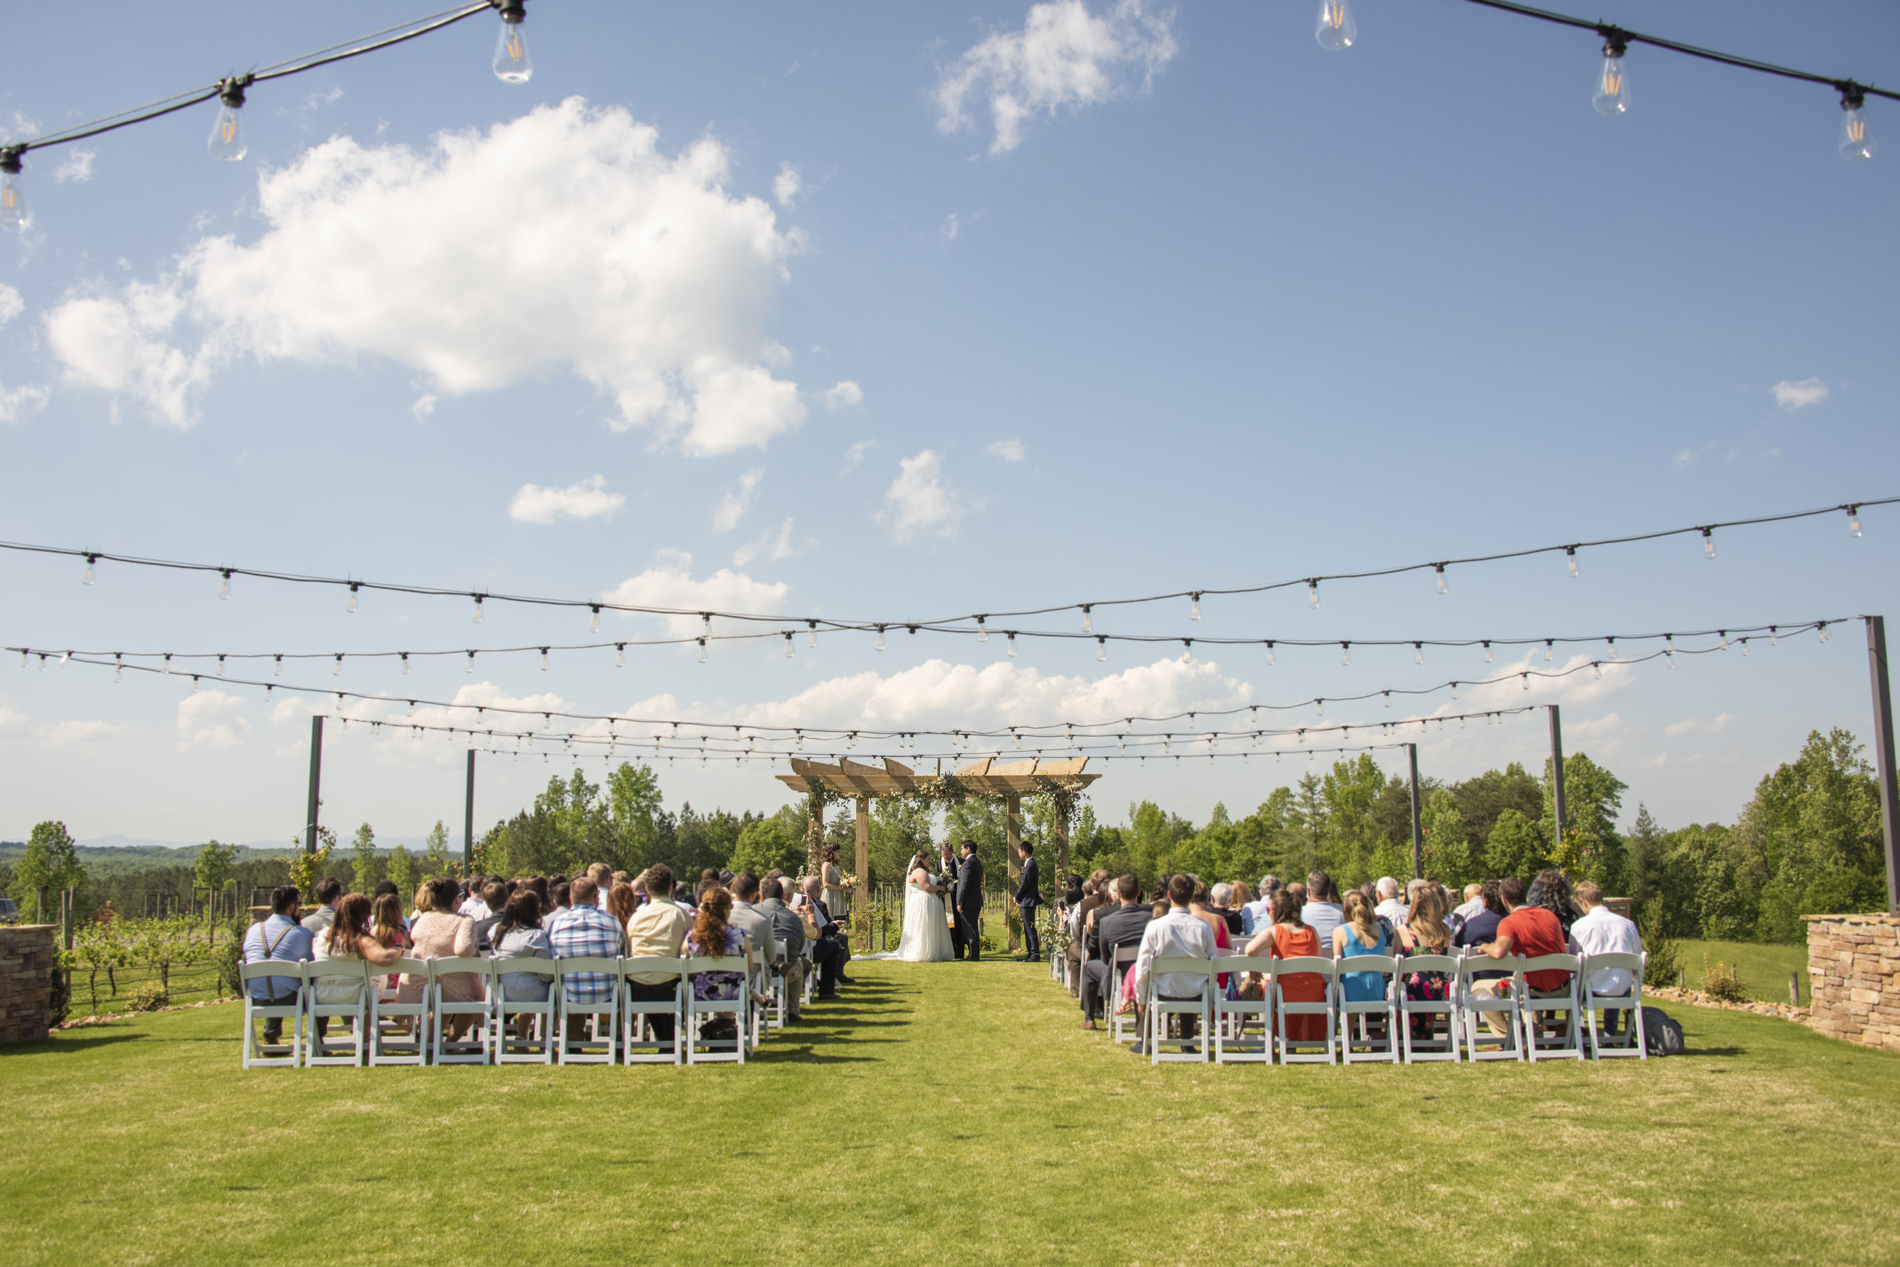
(1013, 850)
(863, 898)
(815, 838)
(1062, 845)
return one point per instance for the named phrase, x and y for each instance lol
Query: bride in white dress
(926, 936)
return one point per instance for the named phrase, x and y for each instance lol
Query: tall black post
(1418, 837)
(1557, 773)
(468, 820)
(316, 780)
(1883, 751)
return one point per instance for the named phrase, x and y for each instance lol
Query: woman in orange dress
(1288, 938)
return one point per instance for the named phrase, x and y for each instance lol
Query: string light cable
(963, 624)
(1126, 727)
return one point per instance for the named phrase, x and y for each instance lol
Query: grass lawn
(948, 1112)
(1764, 968)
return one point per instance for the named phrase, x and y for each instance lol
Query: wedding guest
(656, 931)
(1424, 932)
(1121, 926)
(349, 937)
(390, 929)
(713, 938)
(1298, 890)
(746, 916)
(1288, 937)
(278, 936)
(1601, 931)
(1529, 931)
(1202, 906)
(1241, 900)
(834, 889)
(1473, 903)
(582, 930)
(562, 894)
(329, 892)
(1178, 934)
(621, 903)
(1221, 898)
(473, 907)
(1551, 891)
(538, 885)
(1322, 912)
(494, 899)
(1390, 907)
(603, 877)
(519, 935)
(437, 932)
(1362, 933)
(1481, 927)
(1259, 913)
(792, 931)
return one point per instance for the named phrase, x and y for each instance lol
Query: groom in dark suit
(969, 903)
(1028, 898)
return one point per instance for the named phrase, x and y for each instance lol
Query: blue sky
(778, 312)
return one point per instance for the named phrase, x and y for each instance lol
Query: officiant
(948, 880)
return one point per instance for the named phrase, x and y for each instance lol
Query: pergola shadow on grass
(949, 1111)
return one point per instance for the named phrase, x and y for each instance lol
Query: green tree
(1589, 847)
(633, 800)
(1516, 847)
(1483, 799)
(99, 947)
(51, 862)
(435, 855)
(402, 872)
(212, 872)
(777, 842)
(899, 827)
(365, 864)
(1302, 846)
(1447, 849)
(1819, 826)
(1643, 859)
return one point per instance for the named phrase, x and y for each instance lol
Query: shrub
(1662, 969)
(228, 958)
(1723, 982)
(150, 997)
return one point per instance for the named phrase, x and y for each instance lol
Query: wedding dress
(926, 936)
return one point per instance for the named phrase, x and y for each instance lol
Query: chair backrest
(335, 969)
(410, 967)
(271, 968)
(1126, 952)
(1551, 963)
(439, 968)
(535, 965)
(1181, 965)
(1430, 963)
(1472, 966)
(1245, 963)
(650, 964)
(723, 964)
(1617, 959)
(1327, 968)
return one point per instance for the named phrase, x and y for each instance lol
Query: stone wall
(26, 981)
(1854, 974)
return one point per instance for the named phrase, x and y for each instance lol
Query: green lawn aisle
(947, 1112)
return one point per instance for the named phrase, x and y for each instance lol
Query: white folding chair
(254, 1012)
(1635, 1040)
(1307, 1051)
(1540, 1011)
(808, 982)
(599, 1049)
(399, 1032)
(1120, 1026)
(1434, 1048)
(474, 1047)
(652, 1051)
(1474, 1007)
(780, 990)
(1382, 1009)
(510, 1049)
(697, 1008)
(325, 1049)
(1200, 1006)
(1232, 1047)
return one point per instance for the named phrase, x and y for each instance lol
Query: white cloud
(17, 402)
(1008, 450)
(589, 499)
(81, 734)
(844, 393)
(423, 407)
(774, 544)
(854, 456)
(951, 227)
(1064, 57)
(211, 719)
(78, 166)
(737, 501)
(1792, 396)
(917, 500)
(1695, 726)
(786, 186)
(561, 240)
(11, 305)
(11, 718)
(669, 583)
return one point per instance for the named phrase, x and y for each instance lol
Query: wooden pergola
(853, 780)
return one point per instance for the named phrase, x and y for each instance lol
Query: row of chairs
(1536, 1027)
(561, 1028)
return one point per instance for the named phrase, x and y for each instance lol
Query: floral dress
(718, 985)
(1422, 987)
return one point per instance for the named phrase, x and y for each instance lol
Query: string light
(880, 640)
(1101, 649)
(337, 671)
(1570, 553)
(13, 212)
(1086, 626)
(1269, 653)
(278, 669)
(1822, 631)
(1012, 645)
(593, 626)
(1194, 612)
(1853, 530)
(1187, 651)
(227, 136)
(224, 590)
(478, 608)
(1419, 653)
(351, 608)
(1612, 95)
(1487, 652)
(788, 644)
(1312, 592)
(982, 634)
(1345, 654)
(1856, 144)
(512, 63)
(544, 659)
(1708, 543)
(85, 578)
(470, 666)
(1443, 588)
(1336, 30)
(405, 664)
(220, 664)
(702, 651)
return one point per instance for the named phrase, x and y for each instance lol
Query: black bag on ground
(1664, 1034)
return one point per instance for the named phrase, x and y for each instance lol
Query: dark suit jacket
(969, 891)
(1029, 892)
(1121, 927)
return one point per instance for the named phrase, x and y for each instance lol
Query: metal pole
(1557, 773)
(468, 820)
(1883, 751)
(1418, 837)
(316, 780)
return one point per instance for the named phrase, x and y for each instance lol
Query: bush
(150, 997)
(1722, 981)
(229, 957)
(1662, 969)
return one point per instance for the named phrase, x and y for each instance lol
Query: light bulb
(227, 134)
(1526, 679)
(1269, 655)
(1853, 530)
(620, 655)
(513, 65)
(13, 212)
(337, 669)
(351, 606)
(277, 670)
(788, 645)
(1708, 544)
(1345, 653)
(1187, 651)
(1312, 593)
(1598, 665)
(702, 651)
(1012, 646)
(811, 639)
(1336, 30)
(1822, 630)
(544, 657)
(194, 680)
(880, 639)
(85, 578)
(1194, 612)
(1101, 648)
(405, 663)
(982, 634)
(1418, 649)
(1388, 699)
(412, 708)
(1086, 626)
(1612, 643)
(1570, 554)
(62, 660)
(470, 666)
(593, 626)
(1856, 144)
(1613, 86)
(1745, 647)
(477, 619)
(1443, 588)
(224, 590)
(1321, 705)
(118, 672)
(1547, 650)
(1487, 652)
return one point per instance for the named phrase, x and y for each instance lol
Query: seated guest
(746, 916)
(329, 892)
(1121, 926)
(1178, 934)
(1529, 931)
(603, 877)
(1298, 890)
(1288, 937)
(437, 932)
(349, 937)
(656, 931)
(279, 937)
(1473, 903)
(519, 935)
(561, 895)
(1390, 907)
(713, 938)
(1601, 931)
(621, 902)
(390, 928)
(494, 899)
(1481, 927)
(829, 952)
(1095, 896)
(538, 885)
(1361, 934)
(1322, 912)
(1240, 900)
(1551, 891)
(1159, 899)
(1424, 933)
(1219, 904)
(473, 907)
(789, 929)
(1259, 913)
(582, 930)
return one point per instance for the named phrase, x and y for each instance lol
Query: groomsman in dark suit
(969, 902)
(1028, 898)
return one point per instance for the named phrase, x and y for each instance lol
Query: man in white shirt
(1258, 914)
(1473, 903)
(1178, 934)
(1390, 905)
(1602, 931)
(473, 907)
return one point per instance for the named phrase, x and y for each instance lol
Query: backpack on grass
(1664, 1034)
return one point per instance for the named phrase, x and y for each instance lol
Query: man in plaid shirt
(583, 929)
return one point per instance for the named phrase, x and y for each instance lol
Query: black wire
(1676, 46)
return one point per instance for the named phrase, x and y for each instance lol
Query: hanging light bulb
(227, 134)
(1570, 554)
(277, 669)
(13, 212)
(1269, 654)
(1336, 30)
(1613, 86)
(194, 687)
(1345, 653)
(1526, 679)
(1312, 593)
(477, 619)
(224, 590)
(1321, 705)
(544, 657)
(788, 644)
(1012, 646)
(1194, 612)
(62, 660)
(1612, 642)
(982, 634)
(1388, 699)
(1598, 666)
(620, 655)
(1744, 647)
(1187, 651)
(1821, 629)
(811, 639)
(593, 626)
(118, 670)
(1086, 627)
(351, 608)
(85, 578)
(1774, 636)
(337, 669)
(1853, 530)
(1418, 656)
(880, 639)
(1101, 648)
(470, 666)
(1708, 543)
(512, 63)
(1856, 144)
(801, 739)
(1454, 690)
(1442, 587)
(702, 651)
